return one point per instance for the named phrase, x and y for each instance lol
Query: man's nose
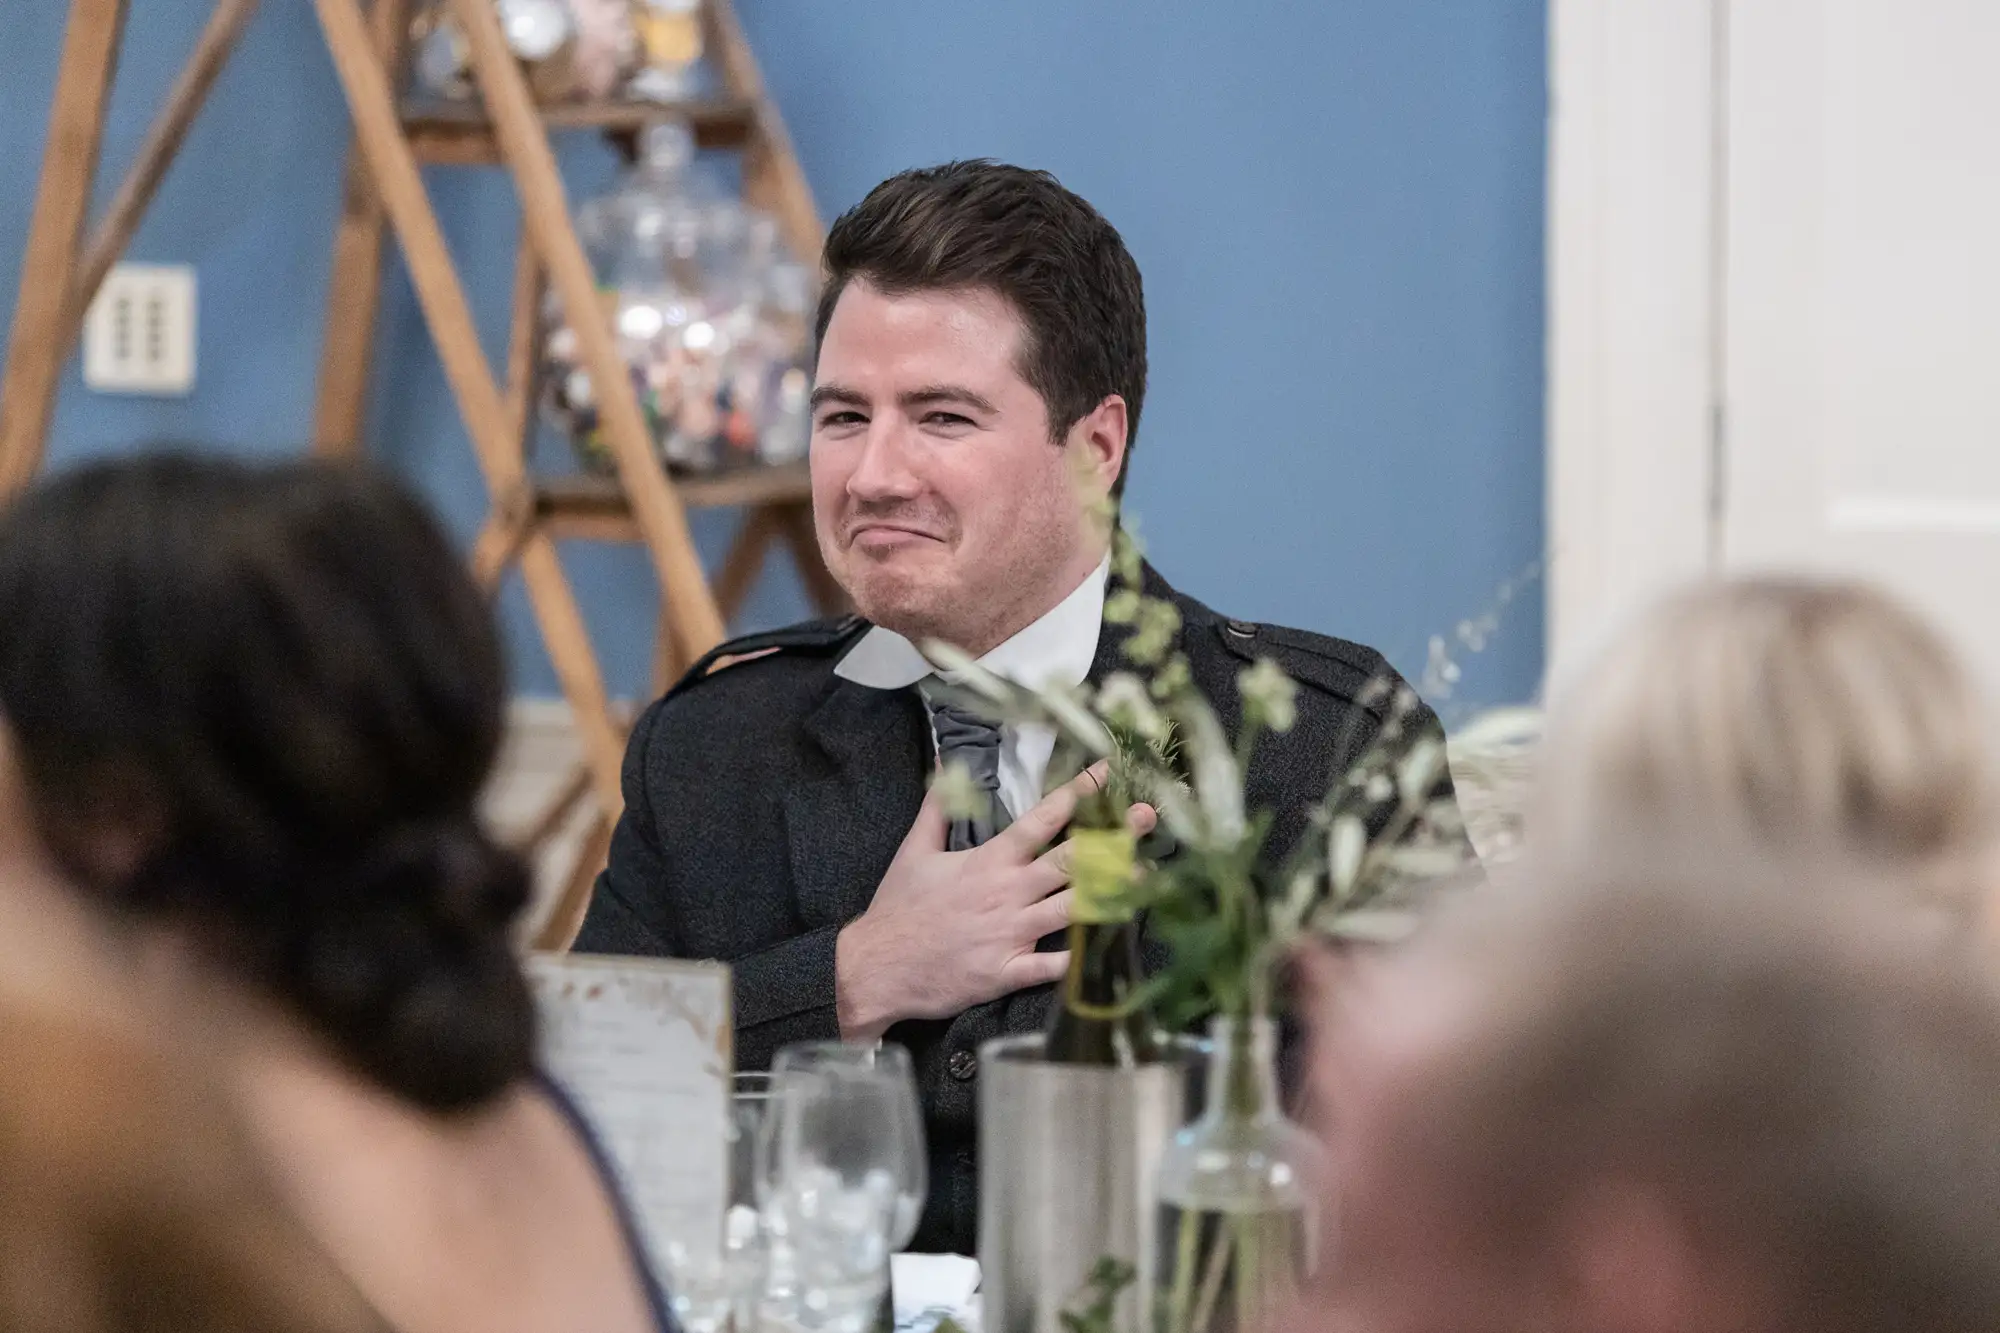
(883, 471)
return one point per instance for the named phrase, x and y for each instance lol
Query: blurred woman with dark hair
(130, 1199)
(252, 708)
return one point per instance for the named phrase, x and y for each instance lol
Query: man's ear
(1096, 445)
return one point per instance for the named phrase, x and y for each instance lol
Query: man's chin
(898, 600)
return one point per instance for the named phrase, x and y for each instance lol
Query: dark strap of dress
(649, 1281)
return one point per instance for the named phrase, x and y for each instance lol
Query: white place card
(644, 1045)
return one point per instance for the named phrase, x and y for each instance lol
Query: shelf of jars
(710, 308)
(615, 66)
(712, 313)
(450, 133)
(709, 305)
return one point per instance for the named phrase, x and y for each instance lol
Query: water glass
(854, 1110)
(698, 1289)
(713, 1290)
(841, 1180)
(743, 1243)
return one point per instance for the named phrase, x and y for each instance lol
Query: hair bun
(417, 980)
(468, 881)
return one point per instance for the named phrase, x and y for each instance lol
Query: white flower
(1218, 783)
(959, 793)
(1369, 925)
(1155, 625)
(1269, 694)
(1123, 701)
(1419, 771)
(1345, 842)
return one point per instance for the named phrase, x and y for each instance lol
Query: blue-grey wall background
(1337, 206)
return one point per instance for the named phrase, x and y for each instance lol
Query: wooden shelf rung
(461, 133)
(586, 507)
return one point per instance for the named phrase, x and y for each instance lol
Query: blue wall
(1337, 206)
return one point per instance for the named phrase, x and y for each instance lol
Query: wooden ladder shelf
(62, 270)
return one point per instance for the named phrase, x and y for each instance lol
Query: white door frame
(1635, 270)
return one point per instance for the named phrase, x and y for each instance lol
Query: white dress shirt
(1058, 648)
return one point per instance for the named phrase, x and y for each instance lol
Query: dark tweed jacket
(764, 803)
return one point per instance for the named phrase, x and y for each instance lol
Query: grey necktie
(965, 737)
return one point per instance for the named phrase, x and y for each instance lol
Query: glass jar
(711, 313)
(542, 34)
(773, 372)
(1239, 1194)
(670, 47)
(658, 242)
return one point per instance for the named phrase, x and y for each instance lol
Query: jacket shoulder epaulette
(811, 637)
(1349, 671)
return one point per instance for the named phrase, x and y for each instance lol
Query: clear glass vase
(1239, 1194)
(712, 315)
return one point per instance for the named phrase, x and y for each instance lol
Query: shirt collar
(1056, 649)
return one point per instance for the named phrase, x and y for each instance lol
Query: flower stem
(1211, 1280)
(1186, 1261)
(1249, 1269)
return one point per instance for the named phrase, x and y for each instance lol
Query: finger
(1053, 865)
(1032, 831)
(1051, 914)
(1034, 969)
(927, 832)
(1051, 869)
(1041, 877)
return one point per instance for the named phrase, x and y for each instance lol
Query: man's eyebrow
(836, 393)
(933, 394)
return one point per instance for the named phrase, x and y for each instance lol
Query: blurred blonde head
(1785, 712)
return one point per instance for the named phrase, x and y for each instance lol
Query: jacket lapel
(845, 822)
(1110, 657)
(1111, 638)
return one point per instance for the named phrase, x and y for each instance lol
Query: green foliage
(1227, 915)
(1092, 1308)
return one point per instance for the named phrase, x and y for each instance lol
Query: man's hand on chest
(950, 930)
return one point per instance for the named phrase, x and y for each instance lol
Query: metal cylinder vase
(1066, 1161)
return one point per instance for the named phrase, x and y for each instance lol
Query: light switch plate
(139, 334)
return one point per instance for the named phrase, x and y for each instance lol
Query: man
(982, 362)
(1636, 1102)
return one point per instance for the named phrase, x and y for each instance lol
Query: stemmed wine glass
(842, 1176)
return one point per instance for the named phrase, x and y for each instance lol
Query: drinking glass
(710, 1292)
(744, 1252)
(841, 1179)
(855, 1111)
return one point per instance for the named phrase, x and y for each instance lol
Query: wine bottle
(1098, 1018)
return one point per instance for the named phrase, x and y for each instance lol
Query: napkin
(926, 1287)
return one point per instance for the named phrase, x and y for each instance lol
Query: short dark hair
(284, 677)
(1019, 233)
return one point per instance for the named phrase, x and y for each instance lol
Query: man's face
(943, 506)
